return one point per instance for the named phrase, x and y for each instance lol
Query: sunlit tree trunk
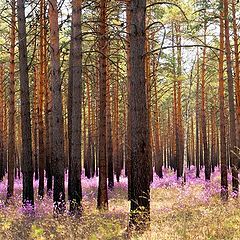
(102, 201)
(236, 69)
(158, 158)
(42, 75)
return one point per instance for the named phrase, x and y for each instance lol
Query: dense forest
(102, 101)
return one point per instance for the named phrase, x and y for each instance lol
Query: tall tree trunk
(140, 155)
(27, 167)
(11, 129)
(116, 147)
(42, 75)
(57, 108)
(232, 113)
(224, 180)
(89, 139)
(102, 201)
(203, 111)
(128, 144)
(158, 158)
(179, 131)
(35, 124)
(236, 69)
(48, 133)
(109, 133)
(197, 124)
(148, 91)
(2, 170)
(69, 109)
(75, 196)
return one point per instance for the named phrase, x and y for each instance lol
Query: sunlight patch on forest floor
(178, 211)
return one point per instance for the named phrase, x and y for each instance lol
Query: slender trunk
(48, 133)
(224, 180)
(203, 112)
(2, 171)
(116, 148)
(109, 143)
(236, 70)
(89, 139)
(179, 131)
(35, 124)
(69, 109)
(128, 144)
(42, 75)
(11, 133)
(158, 158)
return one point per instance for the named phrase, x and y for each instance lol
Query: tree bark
(203, 111)
(224, 180)
(140, 155)
(75, 196)
(232, 112)
(27, 167)
(2, 170)
(102, 201)
(57, 108)
(11, 128)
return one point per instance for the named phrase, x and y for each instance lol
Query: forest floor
(190, 211)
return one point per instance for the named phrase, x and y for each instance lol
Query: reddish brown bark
(102, 201)
(11, 129)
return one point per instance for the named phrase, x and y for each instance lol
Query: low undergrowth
(178, 211)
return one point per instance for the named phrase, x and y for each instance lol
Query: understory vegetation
(191, 210)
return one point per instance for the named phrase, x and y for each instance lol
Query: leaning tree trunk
(140, 155)
(27, 167)
(57, 108)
